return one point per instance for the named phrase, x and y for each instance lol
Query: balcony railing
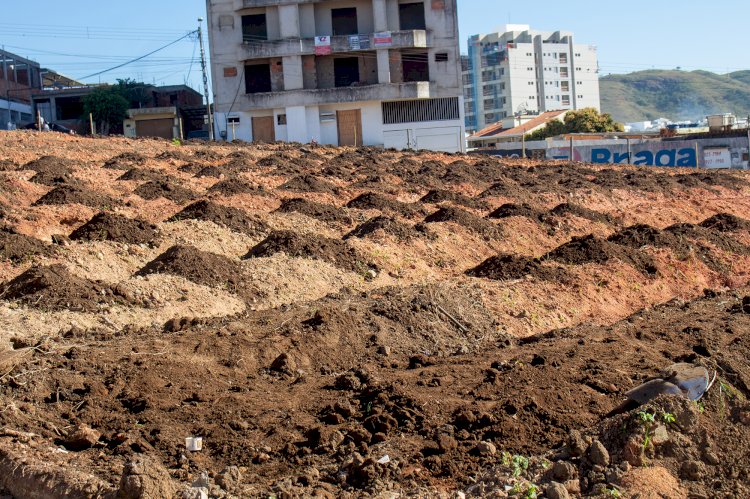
(383, 91)
(258, 49)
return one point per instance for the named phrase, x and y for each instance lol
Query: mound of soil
(54, 288)
(49, 164)
(389, 225)
(213, 171)
(51, 170)
(191, 168)
(208, 269)
(166, 189)
(125, 161)
(173, 155)
(505, 187)
(717, 238)
(515, 210)
(320, 211)
(309, 183)
(107, 226)
(591, 249)
(7, 165)
(374, 201)
(333, 251)
(717, 178)
(231, 218)
(505, 267)
(436, 196)
(234, 185)
(18, 248)
(726, 222)
(640, 235)
(580, 211)
(466, 219)
(207, 155)
(142, 175)
(54, 179)
(68, 194)
(681, 239)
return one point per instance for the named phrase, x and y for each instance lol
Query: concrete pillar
(380, 15)
(289, 21)
(384, 66)
(53, 108)
(293, 77)
(296, 124)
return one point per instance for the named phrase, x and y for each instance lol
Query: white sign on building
(719, 157)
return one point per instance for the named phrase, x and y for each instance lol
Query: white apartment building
(520, 71)
(340, 72)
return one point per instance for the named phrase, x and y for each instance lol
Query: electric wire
(137, 58)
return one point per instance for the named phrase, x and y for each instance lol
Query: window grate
(415, 111)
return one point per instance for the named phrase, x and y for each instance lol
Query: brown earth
(358, 351)
(112, 227)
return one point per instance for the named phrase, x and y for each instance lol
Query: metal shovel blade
(652, 389)
(692, 380)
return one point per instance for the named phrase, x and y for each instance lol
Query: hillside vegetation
(678, 95)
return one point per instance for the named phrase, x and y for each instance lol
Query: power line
(138, 58)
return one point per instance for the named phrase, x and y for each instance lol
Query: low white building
(344, 72)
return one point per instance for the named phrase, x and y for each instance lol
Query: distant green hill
(677, 95)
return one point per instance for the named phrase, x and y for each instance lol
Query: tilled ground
(339, 322)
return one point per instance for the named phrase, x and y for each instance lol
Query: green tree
(587, 120)
(553, 128)
(107, 106)
(135, 92)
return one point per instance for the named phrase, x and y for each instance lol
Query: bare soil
(354, 323)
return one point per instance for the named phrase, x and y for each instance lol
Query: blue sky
(82, 37)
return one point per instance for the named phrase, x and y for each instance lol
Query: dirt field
(364, 323)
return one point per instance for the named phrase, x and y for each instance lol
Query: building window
(563, 72)
(441, 57)
(415, 65)
(563, 58)
(233, 120)
(344, 21)
(489, 118)
(254, 28)
(411, 16)
(346, 71)
(565, 86)
(257, 78)
(566, 100)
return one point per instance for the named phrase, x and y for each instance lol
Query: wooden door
(350, 127)
(263, 129)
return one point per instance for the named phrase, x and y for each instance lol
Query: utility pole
(205, 81)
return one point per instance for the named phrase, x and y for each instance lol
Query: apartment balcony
(383, 91)
(339, 44)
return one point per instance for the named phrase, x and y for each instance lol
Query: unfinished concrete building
(344, 72)
(19, 78)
